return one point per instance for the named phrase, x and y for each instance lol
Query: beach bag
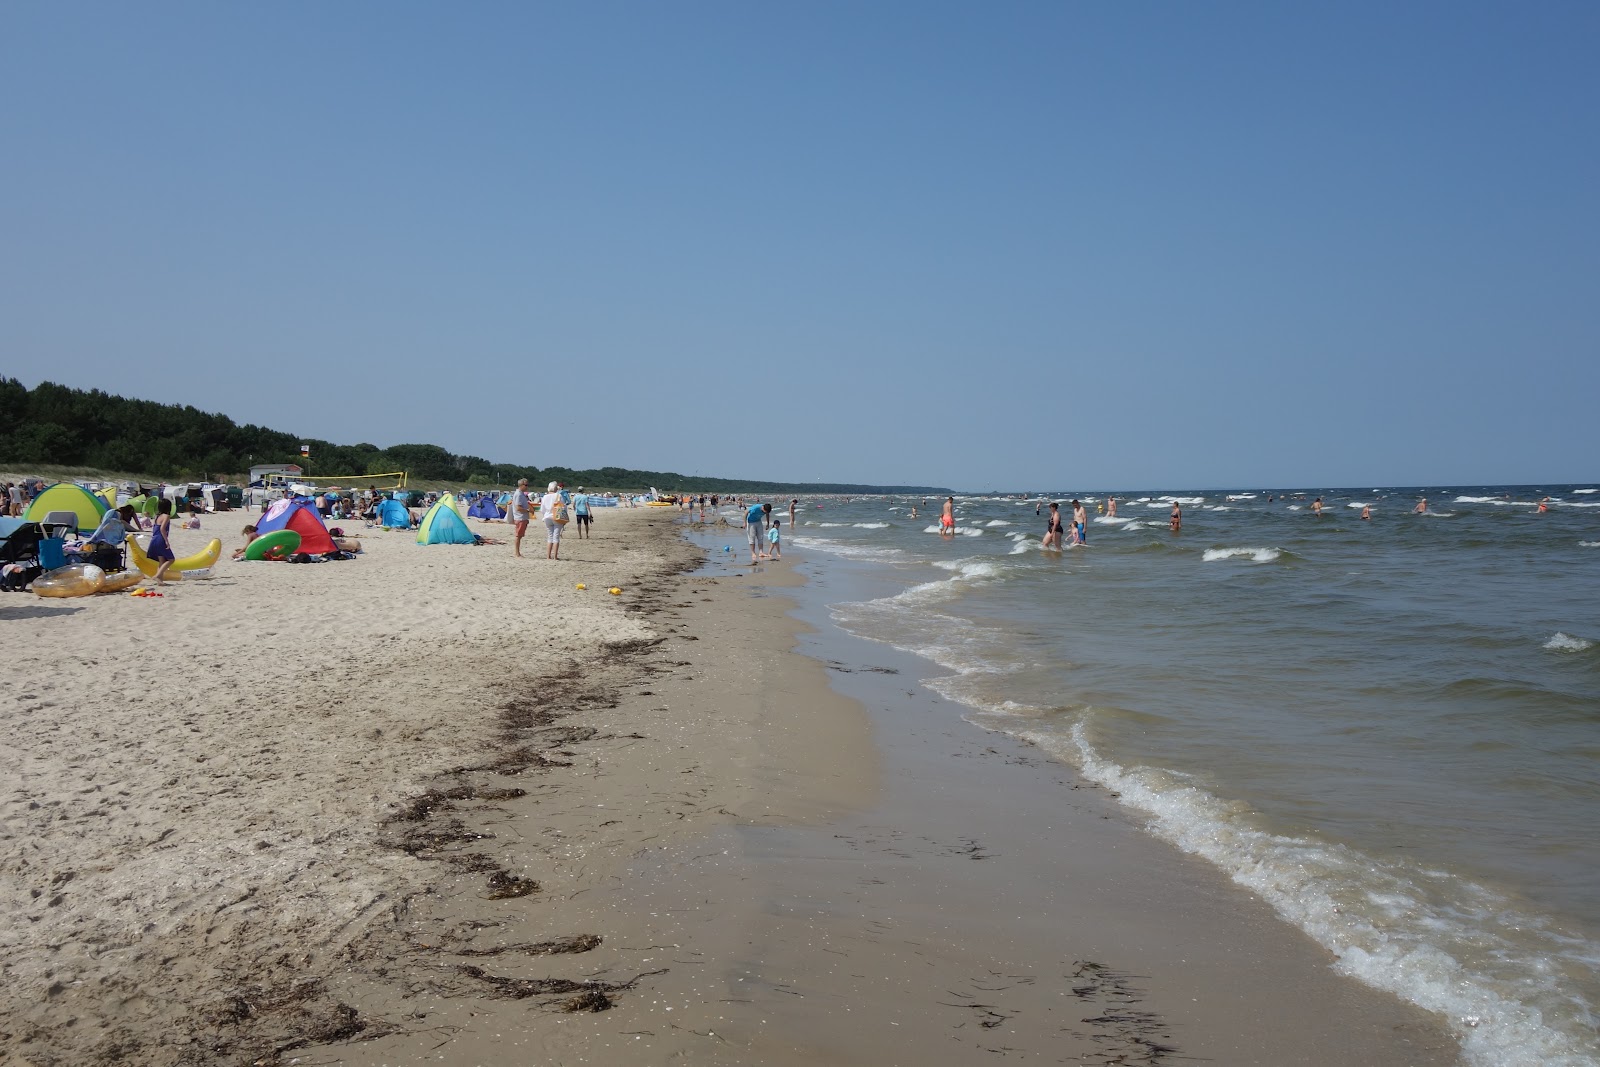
(558, 513)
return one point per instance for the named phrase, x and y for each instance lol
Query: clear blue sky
(979, 245)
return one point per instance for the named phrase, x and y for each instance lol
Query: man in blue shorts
(580, 510)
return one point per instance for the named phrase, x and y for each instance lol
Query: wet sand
(674, 840)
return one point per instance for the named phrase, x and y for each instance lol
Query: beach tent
(109, 495)
(443, 525)
(392, 515)
(484, 508)
(66, 496)
(303, 519)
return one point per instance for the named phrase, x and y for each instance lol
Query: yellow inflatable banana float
(199, 561)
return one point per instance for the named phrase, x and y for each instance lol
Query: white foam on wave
(1294, 507)
(1380, 919)
(827, 524)
(1112, 520)
(1567, 643)
(870, 525)
(1241, 496)
(1586, 490)
(1358, 504)
(964, 531)
(1589, 544)
(1479, 500)
(1573, 504)
(997, 522)
(1022, 546)
(1259, 555)
(1217, 507)
(846, 548)
(970, 568)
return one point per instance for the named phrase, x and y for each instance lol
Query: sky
(1015, 245)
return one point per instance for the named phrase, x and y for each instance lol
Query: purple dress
(159, 550)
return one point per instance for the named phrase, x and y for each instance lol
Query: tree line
(57, 425)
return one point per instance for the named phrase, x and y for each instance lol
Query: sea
(1386, 728)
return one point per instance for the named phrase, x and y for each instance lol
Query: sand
(437, 805)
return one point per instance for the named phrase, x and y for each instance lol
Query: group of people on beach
(557, 508)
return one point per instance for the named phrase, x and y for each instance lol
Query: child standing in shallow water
(773, 540)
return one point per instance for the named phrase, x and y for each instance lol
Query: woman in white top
(553, 510)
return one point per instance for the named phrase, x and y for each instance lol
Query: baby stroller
(19, 555)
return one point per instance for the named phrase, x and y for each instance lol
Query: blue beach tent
(484, 508)
(392, 515)
(443, 525)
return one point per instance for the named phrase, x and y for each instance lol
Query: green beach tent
(67, 496)
(443, 524)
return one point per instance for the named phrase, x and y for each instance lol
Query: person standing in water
(1316, 506)
(1421, 508)
(947, 518)
(1366, 512)
(1111, 506)
(1053, 532)
(1080, 523)
(1177, 516)
(793, 503)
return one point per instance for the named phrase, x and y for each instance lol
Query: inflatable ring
(199, 561)
(275, 545)
(120, 580)
(76, 579)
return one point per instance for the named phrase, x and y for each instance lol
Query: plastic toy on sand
(199, 561)
(75, 579)
(275, 545)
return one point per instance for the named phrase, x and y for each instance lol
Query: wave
(1589, 544)
(846, 548)
(1294, 507)
(1586, 490)
(997, 522)
(964, 531)
(1425, 935)
(1567, 643)
(1259, 555)
(1112, 520)
(870, 525)
(1241, 496)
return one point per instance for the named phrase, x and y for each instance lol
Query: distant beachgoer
(1080, 523)
(1053, 532)
(1177, 516)
(1037, 504)
(15, 493)
(1366, 512)
(1111, 506)
(755, 521)
(1316, 506)
(580, 511)
(160, 549)
(794, 503)
(773, 540)
(1544, 505)
(1421, 508)
(553, 510)
(947, 518)
(517, 512)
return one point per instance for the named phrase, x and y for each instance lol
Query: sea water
(1387, 729)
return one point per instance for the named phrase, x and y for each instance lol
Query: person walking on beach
(553, 510)
(1080, 523)
(1177, 516)
(517, 512)
(580, 511)
(160, 549)
(947, 517)
(774, 542)
(755, 521)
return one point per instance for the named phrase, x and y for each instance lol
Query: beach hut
(303, 519)
(67, 496)
(443, 525)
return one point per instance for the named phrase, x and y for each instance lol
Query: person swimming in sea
(1421, 508)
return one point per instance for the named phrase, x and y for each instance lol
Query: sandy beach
(439, 805)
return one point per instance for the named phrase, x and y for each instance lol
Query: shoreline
(828, 867)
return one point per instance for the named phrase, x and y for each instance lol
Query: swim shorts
(522, 527)
(584, 519)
